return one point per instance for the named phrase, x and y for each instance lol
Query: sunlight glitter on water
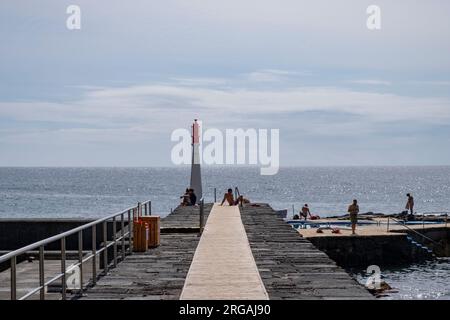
(421, 281)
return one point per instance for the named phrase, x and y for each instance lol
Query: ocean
(95, 192)
(419, 281)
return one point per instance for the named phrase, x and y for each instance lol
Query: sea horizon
(96, 191)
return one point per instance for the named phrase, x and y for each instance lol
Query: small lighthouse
(196, 175)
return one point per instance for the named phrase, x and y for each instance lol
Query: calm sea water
(424, 281)
(94, 192)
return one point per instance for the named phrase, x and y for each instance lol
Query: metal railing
(237, 194)
(441, 213)
(202, 216)
(117, 238)
(401, 223)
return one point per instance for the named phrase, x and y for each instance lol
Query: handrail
(46, 241)
(415, 231)
(236, 192)
(131, 212)
(201, 214)
(437, 212)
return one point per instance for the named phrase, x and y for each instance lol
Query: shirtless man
(229, 198)
(353, 209)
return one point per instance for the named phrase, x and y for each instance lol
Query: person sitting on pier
(241, 200)
(229, 198)
(410, 204)
(192, 197)
(185, 198)
(305, 211)
(353, 209)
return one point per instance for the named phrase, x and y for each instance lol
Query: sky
(111, 93)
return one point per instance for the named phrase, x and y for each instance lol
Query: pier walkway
(289, 266)
(160, 273)
(223, 266)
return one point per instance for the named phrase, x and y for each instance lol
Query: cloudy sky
(111, 93)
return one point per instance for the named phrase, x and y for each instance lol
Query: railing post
(145, 208)
(94, 254)
(130, 232)
(63, 268)
(423, 227)
(201, 217)
(149, 208)
(139, 210)
(215, 195)
(80, 257)
(41, 273)
(105, 245)
(13, 279)
(122, 235)
(423, 221)
(388, 224)
(115, 242)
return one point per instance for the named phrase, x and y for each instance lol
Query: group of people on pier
(353, 211)
(189, 198)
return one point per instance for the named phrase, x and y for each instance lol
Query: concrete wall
(362, 251)
(17, 233)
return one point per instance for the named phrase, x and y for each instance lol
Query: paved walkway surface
(223, 266)
(291, 267)
(160, 273)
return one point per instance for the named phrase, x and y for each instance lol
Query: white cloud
(374, 82)
(161, 106)
(271, 75)
(431, 83)
(199, 81)
(123, 118)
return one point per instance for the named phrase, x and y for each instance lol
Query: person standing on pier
(410, 203)
(353, 210)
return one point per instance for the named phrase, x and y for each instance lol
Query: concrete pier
(376, 244)
(223, 266)
(289, 266)
(244, 253)
(160, 273)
